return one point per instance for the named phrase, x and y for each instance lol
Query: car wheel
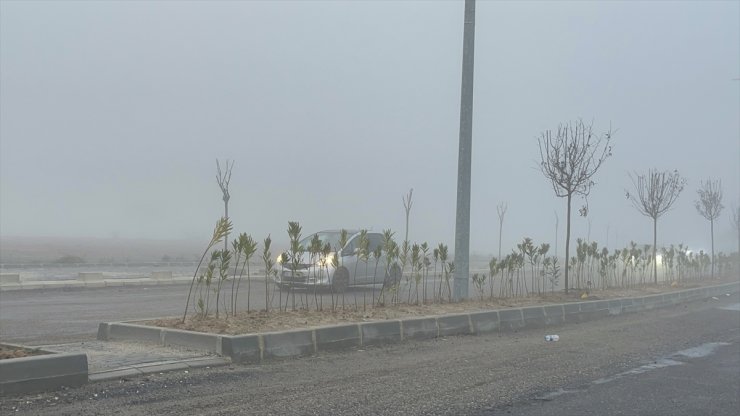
(394, 276)
(340, 281)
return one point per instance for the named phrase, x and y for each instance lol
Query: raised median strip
(48, 371)
(254, 348)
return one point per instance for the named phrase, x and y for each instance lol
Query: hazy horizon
(112, 115)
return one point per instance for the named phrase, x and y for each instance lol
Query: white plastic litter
(551, 338)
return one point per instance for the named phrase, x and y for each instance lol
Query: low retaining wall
(39, 373)
(90, 280)
(10, 278)
(253, 348)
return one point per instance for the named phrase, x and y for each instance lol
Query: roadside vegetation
(408, 273)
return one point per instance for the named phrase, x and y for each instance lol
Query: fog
(112, 115)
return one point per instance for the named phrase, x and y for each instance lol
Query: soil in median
(276, 320)
(8, 352)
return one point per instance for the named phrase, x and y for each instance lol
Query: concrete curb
(254, 348)
(80, 284)
(42, 372)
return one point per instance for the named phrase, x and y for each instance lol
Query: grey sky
(112, 114)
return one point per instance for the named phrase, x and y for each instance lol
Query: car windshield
(331, 237)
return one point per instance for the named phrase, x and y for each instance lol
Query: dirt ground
(261, 321)
(7, 352)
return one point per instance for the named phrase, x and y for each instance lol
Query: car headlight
(325, 261)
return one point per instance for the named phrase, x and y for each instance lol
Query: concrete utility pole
(462, 222)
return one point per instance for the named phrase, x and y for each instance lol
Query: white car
(341, 268)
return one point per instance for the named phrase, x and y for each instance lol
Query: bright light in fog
(326, 261)
(659, 260)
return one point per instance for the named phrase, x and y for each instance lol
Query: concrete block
(633, 305)
(694, 294)
(162, 275)
(554, 315)
(242, 348)
(287, 344)
(9, 278)
(90, 276)
(534, 317)
(42, 373)
(572, 312)
(716, 290)
(133, 332)
(420, 328)
(95, 284)
(511, 319)
(672, 298)
(485, 322)
(192, 340)
(652, 301)
(114, 283)
(103, 331)
(615, 307)
(687, 295)
(385, 332)
(337, 337)
(450, 325)
(593, 310)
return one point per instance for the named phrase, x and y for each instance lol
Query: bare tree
(223, 178)
(709, 205)
(501, 210)
(571, 156)
(655, 193)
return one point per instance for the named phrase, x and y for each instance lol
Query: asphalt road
(476, 375)
(53, 316)
(42, 317)
(684, 387)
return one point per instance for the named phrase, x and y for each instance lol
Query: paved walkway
(109, 360)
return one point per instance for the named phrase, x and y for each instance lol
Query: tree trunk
(500, 231)
(226, 215)
(567, 245)
(655, 254)
(711, 225)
